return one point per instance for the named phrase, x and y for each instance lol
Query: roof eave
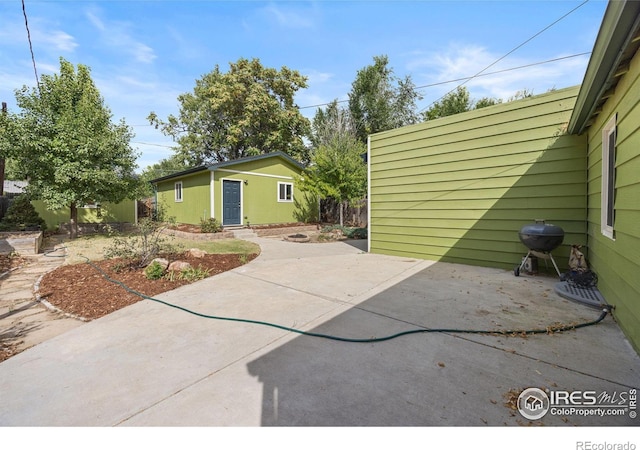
(179, 174)
(618, 26)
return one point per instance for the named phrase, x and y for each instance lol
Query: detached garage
(254, 190)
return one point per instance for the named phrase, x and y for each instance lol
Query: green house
(123, 212)
(459, 188)
(254, 190)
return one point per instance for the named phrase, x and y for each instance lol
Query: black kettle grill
(540, 238)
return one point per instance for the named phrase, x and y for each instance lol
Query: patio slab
(154, 365)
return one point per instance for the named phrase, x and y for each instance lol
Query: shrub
(154, 271)
(142, 245)
(210, 225)
(21, 215)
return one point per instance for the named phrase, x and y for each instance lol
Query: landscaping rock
(178, 266)
(162, 261)
(196, 252)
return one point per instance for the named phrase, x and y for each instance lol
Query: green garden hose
(548, 330)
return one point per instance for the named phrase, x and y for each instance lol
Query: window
(608, 178)
(285, 192)
(178, 191)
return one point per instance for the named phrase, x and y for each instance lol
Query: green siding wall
(195, 204)
(617, 262)
(459, 188)
(109, 212)
(260, 195)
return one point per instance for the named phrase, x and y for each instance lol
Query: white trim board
(242, 172)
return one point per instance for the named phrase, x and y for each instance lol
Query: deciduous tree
(246, 111)
(68, 148)
(338, 171)
(380, 101)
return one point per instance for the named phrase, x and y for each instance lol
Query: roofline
(179, 174)
(231, 162)
(621, 19)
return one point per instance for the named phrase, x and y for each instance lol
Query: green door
(231, 203)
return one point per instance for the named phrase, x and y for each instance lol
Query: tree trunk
(341, 214)
(73, 221)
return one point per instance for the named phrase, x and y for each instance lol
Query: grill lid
(541, 237)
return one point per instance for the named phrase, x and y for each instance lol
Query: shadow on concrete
(443, 379)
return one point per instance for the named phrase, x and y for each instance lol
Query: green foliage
(455, 102)
(330, 124)
(163, 168)
(348, 232)
(21, 215)
(65, 143)
(154, 271)
(379, 101)
(337, 171)
(193, 274)
(141, 246)
(306, 207)
(210, 225)
(247, 111)
(486, 101)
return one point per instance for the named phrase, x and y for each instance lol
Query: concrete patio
(154, 365)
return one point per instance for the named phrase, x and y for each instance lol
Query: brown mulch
(187, 228)
(11, 262)
(81, 290)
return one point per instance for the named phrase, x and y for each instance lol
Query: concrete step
(243, 233)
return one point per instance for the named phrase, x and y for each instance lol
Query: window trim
(178, 188)
(608, 188)
(285, 200)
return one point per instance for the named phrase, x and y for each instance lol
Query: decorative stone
(179, 266)
(162, 261)
(299, 237)
(196, 252)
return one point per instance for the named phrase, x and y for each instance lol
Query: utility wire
(33, 58)
(510, 52)
(424, 86)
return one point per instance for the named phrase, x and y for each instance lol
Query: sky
(144, 54)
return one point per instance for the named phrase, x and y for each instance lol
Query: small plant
(142, 245)
(210, 225)
(154, 271)
(21, 216)
(193, 273)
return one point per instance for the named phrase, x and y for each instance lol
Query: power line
(33, 58)
(424, 86)
(510, 52)
(154, 145)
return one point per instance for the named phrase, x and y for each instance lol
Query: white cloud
(57, 39)
(288, 17)
(118, 36)
(458, 62)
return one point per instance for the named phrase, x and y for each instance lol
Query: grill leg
(555, 265)
(519, 268)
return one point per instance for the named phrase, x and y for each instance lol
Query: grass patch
(220, 246)
(94, 246)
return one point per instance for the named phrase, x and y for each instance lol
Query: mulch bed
(81, 290)
(11, 262)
